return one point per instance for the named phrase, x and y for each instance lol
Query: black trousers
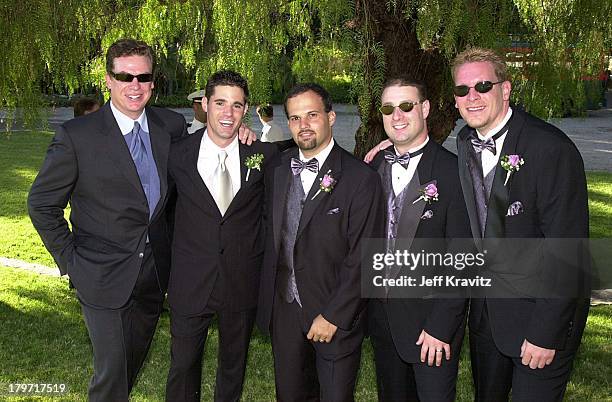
(398, 380)
(121, 337)
(495, 374)
(189, 335)
(302, 374)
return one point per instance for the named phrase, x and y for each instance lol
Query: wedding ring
(438, 350)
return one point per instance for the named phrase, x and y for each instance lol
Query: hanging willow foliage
(59, 45)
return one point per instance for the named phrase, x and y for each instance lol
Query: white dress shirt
(489, 161)
(208, 161)
(126, 124)
(195, 126)
(400, 176)
(307, 177)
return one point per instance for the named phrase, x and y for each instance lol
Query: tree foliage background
(59, 46)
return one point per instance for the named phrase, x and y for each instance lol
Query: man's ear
(332, 117)
(506, 89)
(205, 104)
(425, 107)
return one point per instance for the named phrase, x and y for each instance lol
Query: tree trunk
(404, 56)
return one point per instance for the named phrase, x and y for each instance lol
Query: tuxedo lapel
(160, 144)
(190, 153)
(245, 151)
(498, 199)
(467, 185)
(117, 149)
(332, 165)
(282, 177)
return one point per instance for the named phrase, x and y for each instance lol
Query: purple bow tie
(403, 160)
(297, 166)
(480, 145)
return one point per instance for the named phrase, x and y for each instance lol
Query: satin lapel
(191, 152)
(160, 143)
(467, 185)
(282, 176)
(498, 200)
(118, 150)
(332, 163)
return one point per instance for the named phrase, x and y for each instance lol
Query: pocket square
(428, 214)
(333, 211)
(515, 208)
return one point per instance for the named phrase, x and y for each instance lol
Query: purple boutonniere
(511, 163)
(326, 185)
(428, 194)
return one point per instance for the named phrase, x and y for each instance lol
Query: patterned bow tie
(392, 158)
(480, 145)
(297, 166)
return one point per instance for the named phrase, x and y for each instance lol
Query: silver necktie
(224, 181)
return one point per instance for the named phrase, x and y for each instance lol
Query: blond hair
(479, 54)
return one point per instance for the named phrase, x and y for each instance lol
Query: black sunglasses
(125, 77)
(404, 107)
(481, 87)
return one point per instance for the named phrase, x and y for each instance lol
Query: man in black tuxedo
(111, 166)
(417, 341)
(218, 242)
(526, 344)
(323, 202)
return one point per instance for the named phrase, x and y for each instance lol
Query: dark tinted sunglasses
(125, 77)
(404, 107)
(481, 87)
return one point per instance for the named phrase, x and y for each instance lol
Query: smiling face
(406, 130)
(310, 125)
(482, 111)
(130, 98)
(225, 109)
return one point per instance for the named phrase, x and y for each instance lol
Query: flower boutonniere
(511, 163)
(327, 183)
(253, 162)
(428, 194)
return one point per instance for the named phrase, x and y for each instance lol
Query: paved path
(592, 134)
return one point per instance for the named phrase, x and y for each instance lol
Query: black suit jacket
(89, 164)
(442, 317)
(208, 246)
(551, 186)
(327, 258)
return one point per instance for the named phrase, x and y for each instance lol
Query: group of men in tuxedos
(254, 235)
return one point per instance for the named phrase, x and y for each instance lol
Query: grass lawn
(43, 339)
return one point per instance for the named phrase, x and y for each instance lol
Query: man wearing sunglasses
(111, 166)
(526, 344)
(416, 341)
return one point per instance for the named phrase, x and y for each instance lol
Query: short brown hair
(479, 54)
(403, 81)
(127, 47)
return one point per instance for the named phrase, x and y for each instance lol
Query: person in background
(271, 132)
(85, 106)
(199, 115)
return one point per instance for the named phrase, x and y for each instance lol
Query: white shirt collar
(126, 123)
(417, 148)
(213, 148)
(321, 156)
(496, 129)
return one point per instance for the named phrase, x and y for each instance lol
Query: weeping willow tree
(60, 44)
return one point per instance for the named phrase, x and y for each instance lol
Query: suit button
(221, 251)
(140, 255)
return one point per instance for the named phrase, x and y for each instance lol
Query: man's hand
(535, 356)
(432, 349)
(321, 330)
(246, 135)
(372, 153)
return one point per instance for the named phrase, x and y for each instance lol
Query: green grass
(43, 338)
